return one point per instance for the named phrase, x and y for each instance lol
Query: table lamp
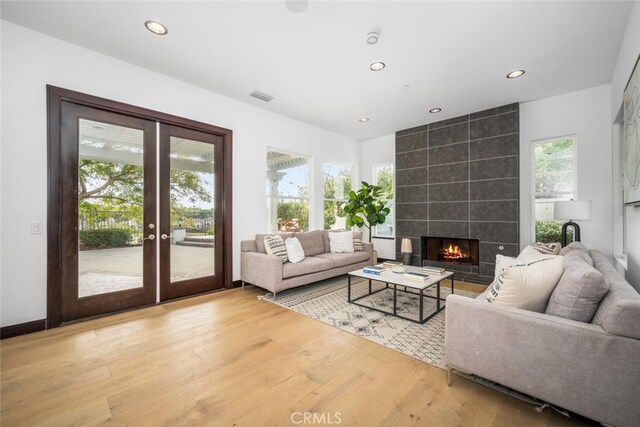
(571, 209)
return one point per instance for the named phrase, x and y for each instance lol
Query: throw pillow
(295, 253)
(274, 245)
(341, 242)
(502, 262)
(530, 253)
(357, 241)
(547, 248)
(526, 285)
(579, 291)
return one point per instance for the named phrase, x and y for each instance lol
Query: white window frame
(534, 143)
(374, 180)
(309, 199)
(346, 196)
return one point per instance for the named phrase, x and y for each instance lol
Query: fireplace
(449, 252)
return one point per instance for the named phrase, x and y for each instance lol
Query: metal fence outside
(195, 222)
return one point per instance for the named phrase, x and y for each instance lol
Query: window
(337, 185)
(288, 194)
(554, 175)
(383, 176)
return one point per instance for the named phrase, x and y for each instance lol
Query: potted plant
(367, 207)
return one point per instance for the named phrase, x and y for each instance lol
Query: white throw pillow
(525, 285)
(295, 253)
(341, 242)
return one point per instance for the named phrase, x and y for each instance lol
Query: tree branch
(92, 193)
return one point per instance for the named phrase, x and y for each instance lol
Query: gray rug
(327, 301)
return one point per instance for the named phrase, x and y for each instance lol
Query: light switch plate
(36, 227)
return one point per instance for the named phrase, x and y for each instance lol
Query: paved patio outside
(109, 270)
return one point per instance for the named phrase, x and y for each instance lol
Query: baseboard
(23, 328)
(236, 284)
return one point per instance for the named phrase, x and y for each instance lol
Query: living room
(330, 107)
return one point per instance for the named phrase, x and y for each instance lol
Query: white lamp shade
(572, 209)
(406, 246)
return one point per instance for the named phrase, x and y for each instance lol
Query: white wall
(629, 50)
(31, 60)
(587, 114)
(374, 151)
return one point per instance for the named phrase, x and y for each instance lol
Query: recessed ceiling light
(296, 6)
(372, 37)
(377, 66)
(435, 110)
(156, 27)
(515, 74)
(364, 120)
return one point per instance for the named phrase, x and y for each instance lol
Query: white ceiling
(453, 55)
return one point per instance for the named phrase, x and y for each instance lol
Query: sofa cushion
(526, 285)
(573, 246)
(579, 255)
(340, 260)
(311, 242)
(274, 245)
(579, 291)
(295, 253)
(260, 241)
(619, 311)
(306, 266)
(341, 242)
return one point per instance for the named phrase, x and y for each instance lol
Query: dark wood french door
(137, 211)
(108, 211)
(191, 230)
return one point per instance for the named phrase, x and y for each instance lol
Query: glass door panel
(107, 205)
(190, 214)
(110, 208)
(192, 205)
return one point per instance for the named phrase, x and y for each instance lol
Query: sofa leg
(274, 296)
(243, 285)
(449, 376)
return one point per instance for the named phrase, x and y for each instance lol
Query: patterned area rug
(327, 301)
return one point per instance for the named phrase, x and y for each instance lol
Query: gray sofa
(592, 369)
(268, 271)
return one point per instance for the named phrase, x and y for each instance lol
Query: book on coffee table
(390, 264)
(416, 277)
(373, 269)
(433, 270)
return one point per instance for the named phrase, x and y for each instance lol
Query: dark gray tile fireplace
(458, 179)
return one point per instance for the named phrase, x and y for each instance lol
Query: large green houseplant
(366, 207)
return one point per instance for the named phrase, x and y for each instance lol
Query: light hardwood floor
(228, 359)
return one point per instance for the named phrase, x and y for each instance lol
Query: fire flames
(453, 253)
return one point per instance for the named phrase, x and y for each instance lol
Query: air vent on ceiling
(262, 96)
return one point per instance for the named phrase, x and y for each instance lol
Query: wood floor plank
(229, 358)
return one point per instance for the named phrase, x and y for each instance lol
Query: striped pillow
(357, 241)
(274, 245)
(547, 248)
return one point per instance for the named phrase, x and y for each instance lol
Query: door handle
(151, 237)
(165, 237)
